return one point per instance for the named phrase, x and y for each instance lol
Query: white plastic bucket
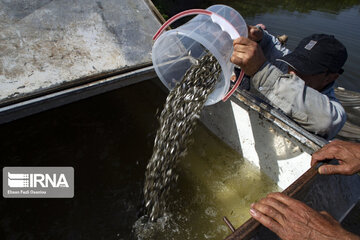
(175, 51)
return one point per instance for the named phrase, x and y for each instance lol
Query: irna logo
(38, 182)
(33, 180)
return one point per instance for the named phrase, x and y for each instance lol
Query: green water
(214, 181)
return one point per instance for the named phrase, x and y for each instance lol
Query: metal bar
(56, 99)
(228, 223)
(73, 83)
(281, 120)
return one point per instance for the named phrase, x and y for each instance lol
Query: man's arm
(311, 109)
(273, 50)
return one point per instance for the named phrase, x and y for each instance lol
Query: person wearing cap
(300, 83)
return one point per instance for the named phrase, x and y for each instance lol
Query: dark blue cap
(316, 54)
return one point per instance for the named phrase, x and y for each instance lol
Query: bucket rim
(207, 45)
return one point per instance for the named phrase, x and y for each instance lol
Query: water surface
(297, 19)
(214, 181)
(108, 139)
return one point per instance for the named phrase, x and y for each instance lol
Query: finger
(275, 203)
(240, 48)
(236, 60)
(295, 210)
(237, 41)
(239, 58)
(261, 25)
(285, 201)
(253, 30)
(266, 221)
(249, 26)
(335, 169)
(321, 156)
(266, 207)
(327, 152)
(242, 40)
(328, 216)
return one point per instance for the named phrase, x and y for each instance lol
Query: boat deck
(53, 45)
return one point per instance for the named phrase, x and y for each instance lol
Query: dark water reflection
(108, 139)
(297, 19)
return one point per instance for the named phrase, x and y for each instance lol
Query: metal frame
(72, 94)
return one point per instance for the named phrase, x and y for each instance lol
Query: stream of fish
(187, 193)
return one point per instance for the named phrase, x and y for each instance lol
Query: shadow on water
(108, 139)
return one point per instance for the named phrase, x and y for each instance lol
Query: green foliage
(159, 5)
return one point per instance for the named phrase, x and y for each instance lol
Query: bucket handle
(216, 18)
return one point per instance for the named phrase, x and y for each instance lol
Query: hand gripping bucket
(214, 29)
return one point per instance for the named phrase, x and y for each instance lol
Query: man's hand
(248, 55)
(255, 33)
(291, 219)
(347, 153)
